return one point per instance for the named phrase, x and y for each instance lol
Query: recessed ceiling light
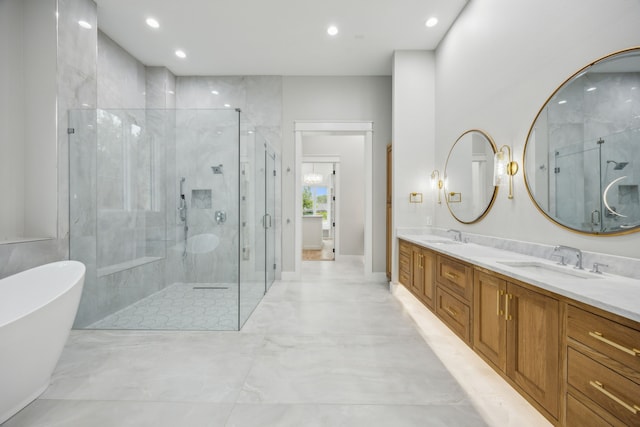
(564, 101)
(227, 105)
(85, 24)
(431, 22)
(215, 92)
(591, 89)
(153, 23)
(332, 30)
(181, 54)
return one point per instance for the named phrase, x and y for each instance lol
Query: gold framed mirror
(582, 154)
(468, 177)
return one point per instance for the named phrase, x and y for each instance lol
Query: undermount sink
(544, 270)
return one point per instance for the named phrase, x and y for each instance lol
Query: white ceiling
(275, 37)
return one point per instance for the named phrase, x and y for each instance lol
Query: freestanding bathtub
(37, 309)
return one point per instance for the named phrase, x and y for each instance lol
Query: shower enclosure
(597, 183)
(172, 212)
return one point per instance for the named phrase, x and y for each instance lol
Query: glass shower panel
(270, 210)
(155, 216)
(204, 202)
(252, 202)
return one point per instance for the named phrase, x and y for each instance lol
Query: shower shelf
(127, 265)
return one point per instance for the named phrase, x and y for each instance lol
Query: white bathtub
(37, 308)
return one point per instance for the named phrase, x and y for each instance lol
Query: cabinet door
(533, 345)
(417, 271)
(489, 326)
(428, 277)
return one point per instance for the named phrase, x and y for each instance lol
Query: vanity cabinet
(517, 330)
(577, 364)
(603, 367)
(490, 326)
(417, 271)
(454, 290)
(404, 272)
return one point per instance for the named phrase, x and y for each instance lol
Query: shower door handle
(266, 221)
(596, 217)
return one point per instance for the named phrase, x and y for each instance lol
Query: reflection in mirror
(469, 189)
(582, 157)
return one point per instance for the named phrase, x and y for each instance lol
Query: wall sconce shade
(504, 168)
(436, 183)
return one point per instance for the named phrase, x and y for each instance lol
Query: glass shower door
(270, 210)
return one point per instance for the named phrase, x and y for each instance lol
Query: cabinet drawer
(579, 415)
(612, 339)
(614, 393)
(457, 277)
(405, 262)
(454, 313)
(405, 248)
(405, 279)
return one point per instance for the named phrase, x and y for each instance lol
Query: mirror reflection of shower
(618, 165)
(182, 210)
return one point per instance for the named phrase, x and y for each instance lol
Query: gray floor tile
(247, 415)
(353, 369)
(75, 413)
(160, 366)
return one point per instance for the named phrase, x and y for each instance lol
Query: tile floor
(333, 349)
(188, 307)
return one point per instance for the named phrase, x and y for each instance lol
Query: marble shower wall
(208, 138)
(76, 65)
(608, 113)
(122, 182)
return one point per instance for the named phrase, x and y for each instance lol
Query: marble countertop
(616, 294)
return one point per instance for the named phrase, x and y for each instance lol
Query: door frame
(336, 128)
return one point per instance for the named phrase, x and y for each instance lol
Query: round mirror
(582, 155)
(468, 177)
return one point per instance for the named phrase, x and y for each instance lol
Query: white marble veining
(616, 294)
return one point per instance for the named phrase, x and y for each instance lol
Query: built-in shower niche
(201, 199)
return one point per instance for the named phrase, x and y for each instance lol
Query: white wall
(350, 194)
(494, 71)
(413, 139)
(12, 107)
(334, 99)
(28, 120)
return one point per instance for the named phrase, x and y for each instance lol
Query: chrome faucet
(577, 251)
(457, 234)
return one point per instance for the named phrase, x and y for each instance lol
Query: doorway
(319, 207)
(365, 131)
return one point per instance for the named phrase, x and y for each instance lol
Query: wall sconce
(504, 168)
(436, 183)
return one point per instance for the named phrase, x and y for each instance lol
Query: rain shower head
(618, 165)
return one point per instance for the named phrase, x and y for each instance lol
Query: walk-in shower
(591, 190)
(167, 243)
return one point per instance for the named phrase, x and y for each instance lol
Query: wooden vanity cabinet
(490, 326)
(405, 263)
(603, 367)
(517, 330)
(577, 364)
(417, 271)
(454, 290)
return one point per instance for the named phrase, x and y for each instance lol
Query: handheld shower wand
(182, 209)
